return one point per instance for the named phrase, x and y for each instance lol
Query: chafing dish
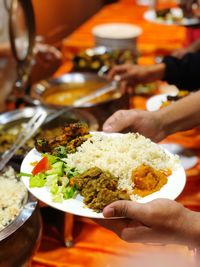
(64, 90)
(12, 122)
(96, 58)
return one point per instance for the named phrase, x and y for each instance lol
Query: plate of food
(170, 16)
(81, 172)
(163, 100)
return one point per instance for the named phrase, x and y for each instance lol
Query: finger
(117, 70)
(140, 234)
(143, 213)
(114, 225)
(131, 78)
(130, 89)
(117, 225)
(123, 87)
(126, 88)
(119, 121)
(143, 234)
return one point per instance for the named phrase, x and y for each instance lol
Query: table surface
(155, 40)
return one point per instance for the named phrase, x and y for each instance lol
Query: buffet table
(156, 39)
(93, 245)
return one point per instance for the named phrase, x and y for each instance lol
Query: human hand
(159, 221)
(190, 7)
(194, 47)
(180, 53)
(47, 60)
(47, 54)
(132, 75)
(149, 124)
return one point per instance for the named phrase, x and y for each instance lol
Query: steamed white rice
(120, 154)
(12, 194)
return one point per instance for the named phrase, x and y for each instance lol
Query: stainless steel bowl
(69, 83)
(11, 122)
(9, 119)
(29, 206)
(21, 238)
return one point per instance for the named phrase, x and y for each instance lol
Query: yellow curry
(147, 180)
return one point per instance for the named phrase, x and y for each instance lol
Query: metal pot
(20, 239)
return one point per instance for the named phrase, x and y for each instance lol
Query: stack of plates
(117, 35)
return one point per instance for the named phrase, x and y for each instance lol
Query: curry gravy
(65, 95)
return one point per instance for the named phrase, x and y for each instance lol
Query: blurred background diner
(60, 57)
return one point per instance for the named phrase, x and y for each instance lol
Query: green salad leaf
(56, 179)
(38, 180)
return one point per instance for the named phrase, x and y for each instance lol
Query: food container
(12, 122)
(65, 90)
(21, 238)
(75, 85)
(117, 35)
(97, 58)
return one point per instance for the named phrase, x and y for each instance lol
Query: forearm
(194, 47)
(180, 116)
(155, 72)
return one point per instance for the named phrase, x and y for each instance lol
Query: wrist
(169, 124)
(157, 71)
(192, 229)
(162, 127)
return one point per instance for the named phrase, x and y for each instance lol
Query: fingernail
(117, 78)
(109, 212)
(107, 128)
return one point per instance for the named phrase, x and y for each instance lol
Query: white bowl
(117, 35)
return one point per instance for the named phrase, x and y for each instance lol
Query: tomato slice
(42, 166)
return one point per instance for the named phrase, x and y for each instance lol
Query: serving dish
(155, 102)
(29, 206)
(176, 18)
(66, 89)
(12, 122)
(101, 57)
(174, 186)
(163, 100)
(21, 232)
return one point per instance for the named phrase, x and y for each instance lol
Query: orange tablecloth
(95, 246)
(155, 40)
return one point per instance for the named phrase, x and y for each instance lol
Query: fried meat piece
(72, 136)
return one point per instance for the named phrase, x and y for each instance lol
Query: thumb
(119, 121)
(126, 209)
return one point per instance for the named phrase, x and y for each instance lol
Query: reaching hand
(132, 75)
(159, 221)
(190, 7)
(146, 123)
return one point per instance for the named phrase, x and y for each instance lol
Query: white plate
(171, 190)
(155, 102)
(150, 15)
(187, 157)
(117, 31)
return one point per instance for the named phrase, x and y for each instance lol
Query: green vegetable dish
(56, 176)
